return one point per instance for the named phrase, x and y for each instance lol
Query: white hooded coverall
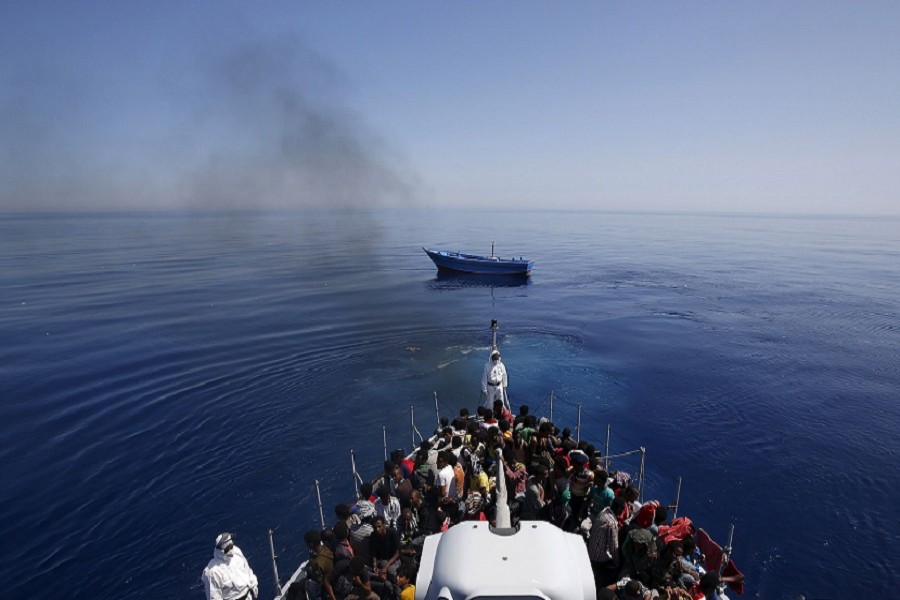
(494, 383)
(228, 576)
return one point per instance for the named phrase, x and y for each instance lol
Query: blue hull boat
(483, 265)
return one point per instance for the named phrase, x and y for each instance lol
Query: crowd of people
(373, 550)
(374, 547)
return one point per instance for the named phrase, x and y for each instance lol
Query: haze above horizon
(764, 107)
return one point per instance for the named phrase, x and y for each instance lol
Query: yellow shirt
(408, 593)
(481, 480)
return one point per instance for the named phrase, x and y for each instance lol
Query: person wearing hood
(639, 555)
(494, 380)
(228, 576)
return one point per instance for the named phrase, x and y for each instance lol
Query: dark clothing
(409, 534)
(533, 503)
(319, 570)
(383, 547)
(638, 559)
(411, 541)
(605, 573)
(344, 585)
(558, 512)
(666, 574)
(426, 519)
(343, 551)
(422, 477)
(323, 563)
(402, 491)
(340, 581)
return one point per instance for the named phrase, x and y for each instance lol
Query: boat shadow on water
(449, 280)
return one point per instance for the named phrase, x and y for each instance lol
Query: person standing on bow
(494, 381)
(228, 576)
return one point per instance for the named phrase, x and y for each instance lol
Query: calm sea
(166, 377)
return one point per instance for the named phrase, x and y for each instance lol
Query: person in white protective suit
(494, 381)
(228, 576)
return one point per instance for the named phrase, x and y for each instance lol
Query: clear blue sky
(697, 106)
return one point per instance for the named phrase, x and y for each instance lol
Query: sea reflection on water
(449, 280)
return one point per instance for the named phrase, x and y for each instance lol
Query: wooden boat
(482, 265)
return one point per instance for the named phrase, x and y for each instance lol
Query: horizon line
(322, 210)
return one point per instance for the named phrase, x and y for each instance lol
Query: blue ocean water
(166, 377)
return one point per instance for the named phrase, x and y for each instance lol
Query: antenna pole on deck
(319, 496)
(641, 475)
(492, 249)
(355, 474)
(494, 327)
(437, 411)
(677, 498)
(384, 440)
(578, 426)
(551, 406)
(274, 564)
(606, 452)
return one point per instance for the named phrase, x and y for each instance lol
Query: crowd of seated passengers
(373, 549)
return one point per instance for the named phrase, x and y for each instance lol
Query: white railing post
(726, 551)
(677, 499)
(355, 474)
(384, 440)
(606, 451)
(437, 411)
(274, 564)
(641, 484)
(578, 425)
(319, 497)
